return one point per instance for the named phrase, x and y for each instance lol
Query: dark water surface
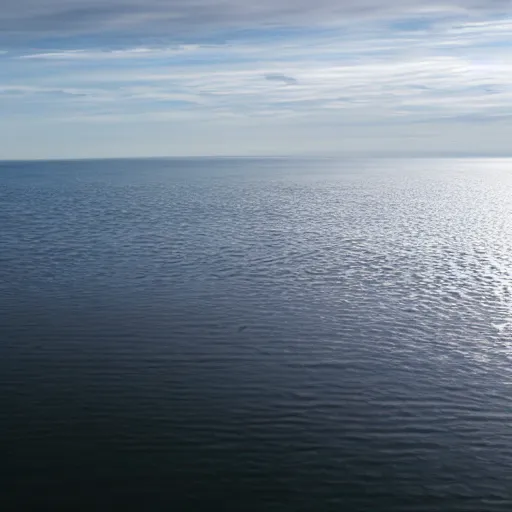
(256, 335)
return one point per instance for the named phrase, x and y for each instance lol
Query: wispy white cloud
(417, 88)
(420, 75)
(97, 55)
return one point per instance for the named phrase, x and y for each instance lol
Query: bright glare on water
(257, 335)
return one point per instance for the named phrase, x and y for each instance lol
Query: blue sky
(220, 77)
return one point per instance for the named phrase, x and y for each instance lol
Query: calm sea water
(256, 335)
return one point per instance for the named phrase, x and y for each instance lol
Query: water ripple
(257, 334)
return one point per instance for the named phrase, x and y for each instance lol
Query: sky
(125, 78)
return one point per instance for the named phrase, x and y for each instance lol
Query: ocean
(256, 335)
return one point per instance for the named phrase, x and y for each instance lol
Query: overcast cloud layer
(122, 78)
(67, 16)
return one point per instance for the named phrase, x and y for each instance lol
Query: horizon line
(327, 156)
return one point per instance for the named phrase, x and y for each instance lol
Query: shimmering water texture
(256, 335)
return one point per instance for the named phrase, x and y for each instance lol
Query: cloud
(401, 88)
(168, 17)
(96, 55)
(277, 77)
(202, 62)
(25, 90)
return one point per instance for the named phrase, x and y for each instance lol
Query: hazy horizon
(298, 157)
